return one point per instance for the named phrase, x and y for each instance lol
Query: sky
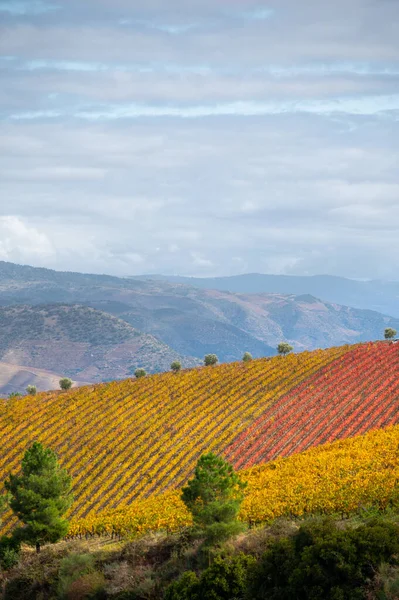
(200, 137)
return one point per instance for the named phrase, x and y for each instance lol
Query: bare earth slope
(14, 378)
(80, 342)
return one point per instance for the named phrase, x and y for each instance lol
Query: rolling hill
(194, 322)
(78, 341)
(130, 440)
(14, 378)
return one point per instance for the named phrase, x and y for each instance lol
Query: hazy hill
(78, 341)
(14, 378)
(196, 321)
(131, 439)
(381, 296)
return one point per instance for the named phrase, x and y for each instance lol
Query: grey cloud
(287, 164)
(196, 188)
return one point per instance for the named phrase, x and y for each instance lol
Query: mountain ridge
(382, 296)
(194, 322)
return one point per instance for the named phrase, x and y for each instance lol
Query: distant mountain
(79, 342)
(382, 296)
(188, 320)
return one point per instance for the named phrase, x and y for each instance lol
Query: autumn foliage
(129, 445)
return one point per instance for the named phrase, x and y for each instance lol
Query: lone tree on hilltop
(65, 383)
(140, 373)
(284, 348)
(389, 333)
(31, 390)
(214, 497)
(175, 366)
(210, 359)
(40, 496)
(247, 357)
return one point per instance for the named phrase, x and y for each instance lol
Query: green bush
(21, 588)
(322, 561)
(9, 552)
(88, 586)
(185, 588)
(175, 366)
(72, 568)
(247, 357)
(225, 579)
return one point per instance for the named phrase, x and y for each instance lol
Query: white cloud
(21, 242)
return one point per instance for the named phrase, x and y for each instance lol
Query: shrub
(226, 579)
(65, 383)
(90, 585)
(12, 395)
(21, 588)
(72, 568)
(175, 366)
(321, 561)
(283, 348)
(185, 588)
(140, 373)
(247, 357)
(210, 359)
(31, 390)
(9, 551)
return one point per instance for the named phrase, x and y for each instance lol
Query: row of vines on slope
(349, 396)
(341, 477)
(127, 440)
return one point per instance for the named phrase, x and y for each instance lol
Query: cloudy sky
(200, 137)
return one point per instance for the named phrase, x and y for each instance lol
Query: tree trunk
(37, 547)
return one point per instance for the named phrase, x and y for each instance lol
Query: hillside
(194, 322)
(381, 296)
(78, 341)
(14, 378)
(129, 440)
(338, 478)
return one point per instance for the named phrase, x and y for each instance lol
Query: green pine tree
(214, 497)
(40, 496)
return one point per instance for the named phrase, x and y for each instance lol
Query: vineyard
(342, 477)
(129, 444)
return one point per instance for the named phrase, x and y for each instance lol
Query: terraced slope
(129, 440)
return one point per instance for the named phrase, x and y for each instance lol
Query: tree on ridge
(389, 333)
(65, 383)
(210, 359)
(284, 348)
(140, 373)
